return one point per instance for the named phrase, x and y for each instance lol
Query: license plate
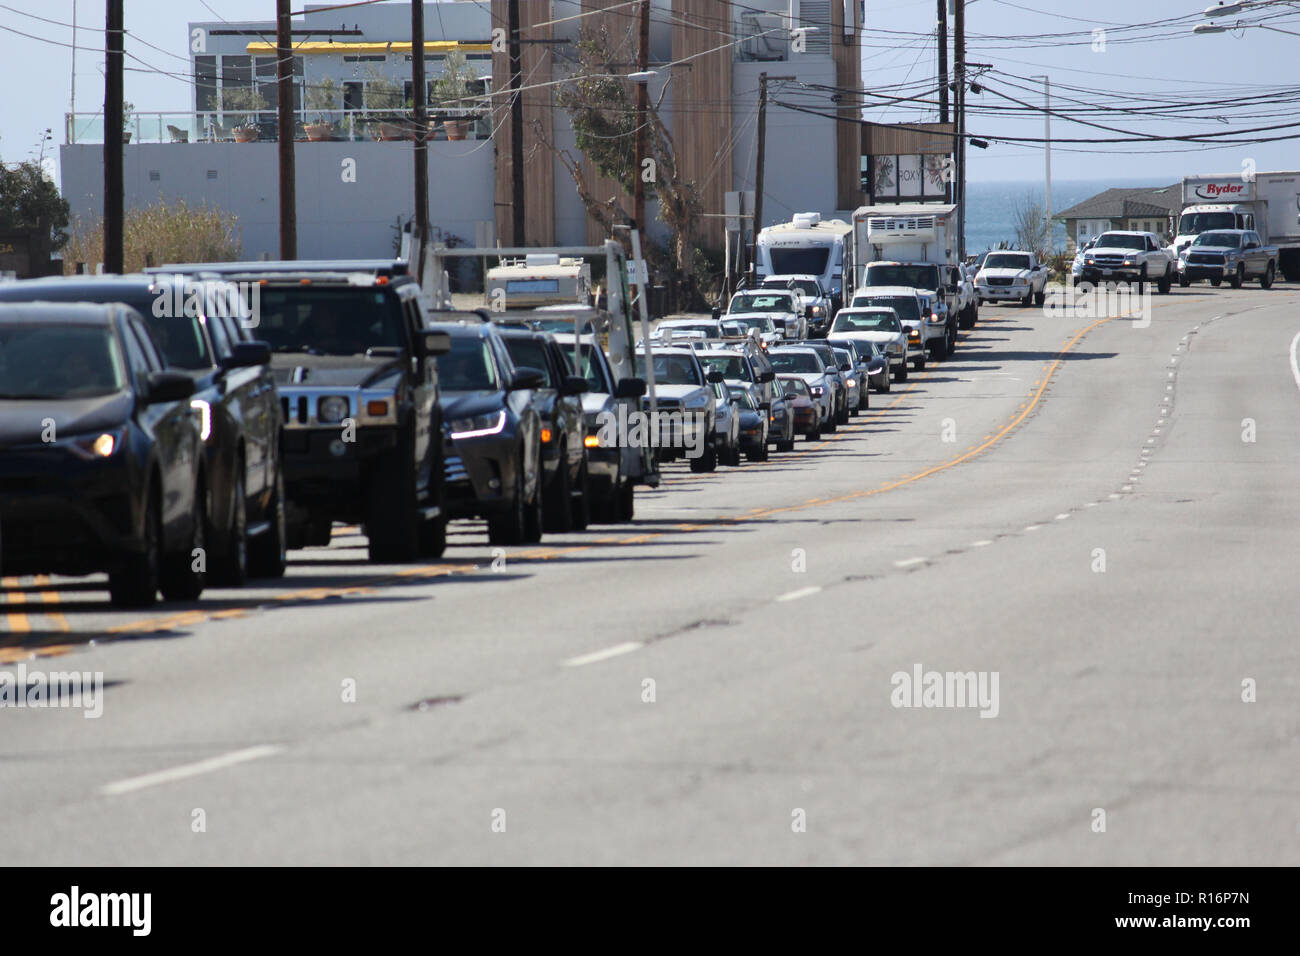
(1108, 272)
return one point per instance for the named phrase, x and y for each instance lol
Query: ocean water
(991, 206)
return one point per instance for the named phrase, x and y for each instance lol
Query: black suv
(100, 456)
(559, 401)
(358, 385)
(494, 431)
(201, 328)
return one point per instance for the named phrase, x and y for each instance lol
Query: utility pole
(959, 64)
(72, 97)
(114, 201)
(944, 79)
(757, 223)
(642, 104)
(1047, 145)
(516, 127)
(284, 97)
(418, 92)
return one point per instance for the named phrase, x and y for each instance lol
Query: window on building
(353, 95)
(205, 83)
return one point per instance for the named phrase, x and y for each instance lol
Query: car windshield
(592, 370)
(865, 322)
(710, 330)
(762, 302)
(905, 307)
(1116, 240)
(806, 286)
(742, 325)
(670, 369)
(1195, 222)
(806, 260)
(731, 366)
(532, 353)
(910, 277)
(1229, 239)
(742, 397)
(328, 321)
(844, 355)
(791, 383)
(468, 367)
(806, 362)
(1005, 260)
(59, 362)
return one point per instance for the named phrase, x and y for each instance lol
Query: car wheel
(815, 434)
(900, 375)
(183, 574)
(1216, 282)
(559, 507)
(230, 567)
(940, 349)
(1028, 300)
(1040, 296)
(1184, 282)
(392, 512)
(707, 460)
(535, 511)
(511, 526)
(627, 502)
(919, 364)
(1238, 277)
(267, 554)
(135, 584)
(1266, 280)
(581, 503)
(887, 386)
(785, 446)
(1166, 281)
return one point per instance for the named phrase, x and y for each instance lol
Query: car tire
(1040, 297)
(1028, 300)
(626, 502)
(511, 526)
(919, 364)
(1216, 282)
(785, 446)
(707, 460)
(900, 375)
(535, 511)
(1184, 282)
(433, 537)
(1266, 280)
(178, 577)
(267, 553)
(135, 584)
(1166, 281)
(887, 387)
(939, 350)
(230, 567)
(814, 435)
(581, 502)
(392, 508)
(559, 506)
(1238, 277)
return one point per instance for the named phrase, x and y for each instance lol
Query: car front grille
(1205, 258)
(998, 280)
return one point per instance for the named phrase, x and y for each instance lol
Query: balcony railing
(229, 126)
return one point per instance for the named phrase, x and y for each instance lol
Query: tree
(28, 200)
(604, 125)
(1030, 223)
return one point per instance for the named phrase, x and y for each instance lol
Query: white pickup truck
(1129, 256)
(1012, 276)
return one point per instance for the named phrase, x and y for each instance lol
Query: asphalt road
(1071, 504)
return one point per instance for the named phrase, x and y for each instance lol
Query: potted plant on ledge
(244, 99)
(383, 100)
(128, 110)
(322, 99)
(451, 91)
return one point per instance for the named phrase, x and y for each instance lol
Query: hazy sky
(36, 75)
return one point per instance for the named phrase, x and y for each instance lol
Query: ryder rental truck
(1268, 203)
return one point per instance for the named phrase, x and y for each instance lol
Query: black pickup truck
(358, 384)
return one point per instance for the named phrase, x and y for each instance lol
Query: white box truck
(1268, 203)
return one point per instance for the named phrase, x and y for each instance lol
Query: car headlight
(817, 310)
(818, 391)
(204, 410)
(852, 382)
(492, 423)
(1129, 262)
(97, 446)
(332, 410)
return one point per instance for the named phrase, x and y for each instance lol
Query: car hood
(24, 422)
(676, 392)
(330, 371)
(1216, 249)
(1113, 251)
(468, 404)
(593, 403)
(1004, 273)
(812, 378)
(869, 336)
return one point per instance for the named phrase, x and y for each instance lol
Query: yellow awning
(324, 46)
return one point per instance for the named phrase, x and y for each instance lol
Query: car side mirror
(765, 406)
(715, 377)
(846, 367)
(630, 388)
(792, 395)
(247, 355)
(526, 376)
(716, 313)
(575, 385)
(433, 343)
(169, 387)
(768, 376)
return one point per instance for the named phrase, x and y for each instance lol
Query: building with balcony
(354, 161)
